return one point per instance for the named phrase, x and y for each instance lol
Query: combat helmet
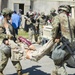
(6, 11)
(42, 13)
(69, 8)
(64, 8)
(52, 10)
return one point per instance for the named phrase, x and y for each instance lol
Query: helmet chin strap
(67, 14)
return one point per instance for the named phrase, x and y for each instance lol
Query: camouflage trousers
(59, 70)
(31, 35)
(4, 59)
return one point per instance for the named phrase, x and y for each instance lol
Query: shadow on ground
(33, 71)
(71, 74)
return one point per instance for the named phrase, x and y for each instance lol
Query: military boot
(19, 72)
(1, 73)
(26, 73)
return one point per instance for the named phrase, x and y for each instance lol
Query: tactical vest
(63, 21)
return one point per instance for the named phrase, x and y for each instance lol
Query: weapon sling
(70, 29)
(66, 42)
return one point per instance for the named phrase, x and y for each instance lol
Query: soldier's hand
(57, 40)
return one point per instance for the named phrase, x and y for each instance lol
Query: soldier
(36, 31)
(31, 27)
(8, 29)
(2, 35)
(5, 52)
(9, 33)
(1, 18)
(63, 20)
(27, 22)
(42, 22)
(52, 14)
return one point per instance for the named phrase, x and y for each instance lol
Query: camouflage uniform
(36, 31)
(4, 57)
(62, 19)
(42, 22)
(31, 28)
(2, 35)
(52, 14)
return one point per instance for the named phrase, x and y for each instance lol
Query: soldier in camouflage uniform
(31, 27)
(62, 19)
(9, 33)
(42, 22)
(52, 14)
(2, 35)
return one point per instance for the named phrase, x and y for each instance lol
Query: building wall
(4, 4)
(25, 2)
(26, 7)
(46, 5)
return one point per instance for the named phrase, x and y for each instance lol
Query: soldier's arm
(72, 23)
(55, 24)
(74, 28)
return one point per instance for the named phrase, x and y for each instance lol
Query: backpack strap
(70, 29)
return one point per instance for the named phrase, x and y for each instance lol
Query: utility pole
(0, 5)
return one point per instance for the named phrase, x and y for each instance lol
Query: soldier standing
(31, 27)
(36, 31)
(52, 14)
(42, 22)
(9, 33)
(27, 22)
(62, 19)
(1, 18)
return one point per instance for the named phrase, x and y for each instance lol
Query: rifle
(65, 41)
(67, 44)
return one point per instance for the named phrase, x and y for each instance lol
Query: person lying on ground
(34, 53)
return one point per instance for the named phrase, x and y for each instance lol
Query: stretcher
(23, 53)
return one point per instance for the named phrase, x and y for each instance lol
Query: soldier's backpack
(6, 49)
(58, 54)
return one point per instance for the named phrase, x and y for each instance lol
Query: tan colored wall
(26, 6)
(4, 4)
(46, 5)
(25, 2)
(38, 5)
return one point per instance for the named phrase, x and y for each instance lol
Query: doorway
(19, 6)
